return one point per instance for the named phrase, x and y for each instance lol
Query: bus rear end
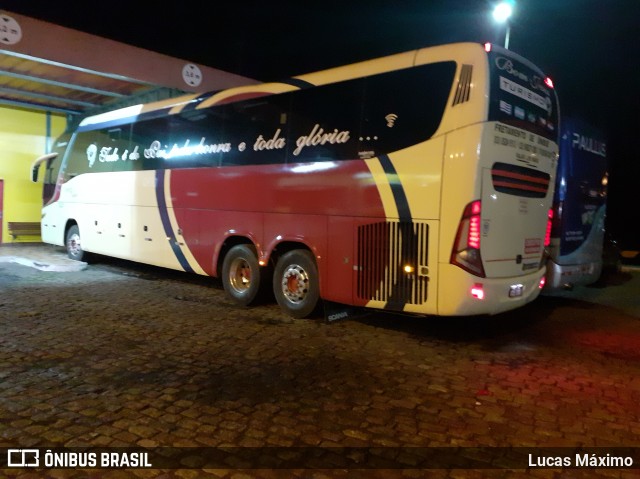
(577, 235)
(499, 246)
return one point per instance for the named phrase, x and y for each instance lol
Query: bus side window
(98, 151)
(405, 107)
(325, 123)
(200, 134)
(257, 129)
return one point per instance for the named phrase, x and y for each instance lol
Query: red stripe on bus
(518, 186)
(519, 176)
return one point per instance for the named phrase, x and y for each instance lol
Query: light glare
(502, 12)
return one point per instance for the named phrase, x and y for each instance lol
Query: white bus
(419, 182)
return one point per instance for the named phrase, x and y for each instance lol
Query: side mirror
(36, 165)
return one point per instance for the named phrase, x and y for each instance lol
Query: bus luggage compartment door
(514, 219)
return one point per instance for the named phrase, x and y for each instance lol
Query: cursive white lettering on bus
(152, 151)
(107, 155)
(133, 156)
(155, 150)
(275, 143)
(319, 137)
(507, 65)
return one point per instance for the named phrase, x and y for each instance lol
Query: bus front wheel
(295, 283)
(74, 245)
(241, 274)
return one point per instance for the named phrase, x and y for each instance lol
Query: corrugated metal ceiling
(38, 83)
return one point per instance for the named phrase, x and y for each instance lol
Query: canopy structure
(48, 67)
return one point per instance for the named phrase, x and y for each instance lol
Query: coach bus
(577, 233)
(419, 182)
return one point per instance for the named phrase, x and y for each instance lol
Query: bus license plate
(516, 290)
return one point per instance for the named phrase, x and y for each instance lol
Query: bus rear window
(520, 97)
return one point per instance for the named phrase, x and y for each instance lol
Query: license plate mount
(516, 290)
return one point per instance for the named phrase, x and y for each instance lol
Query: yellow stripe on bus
(266, 88)
(381, 181)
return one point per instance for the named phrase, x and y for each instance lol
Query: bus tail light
(542, 282)
(466, 248)
(547, 235)
(477, 291)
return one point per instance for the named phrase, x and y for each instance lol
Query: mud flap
(338, 312)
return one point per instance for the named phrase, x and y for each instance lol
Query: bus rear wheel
(241, 274)
(295, 283)
(73, 244)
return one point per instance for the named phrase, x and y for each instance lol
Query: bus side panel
(329, 187)
(419, 173)
(52, 224)
(289, 192)
(340, 260)
(202, 232)
(397, 261)
(130, 216)
(460, 183)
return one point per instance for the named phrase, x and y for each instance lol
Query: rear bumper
(564, 277)
(455, 296)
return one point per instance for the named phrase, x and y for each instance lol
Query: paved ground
(116, 355)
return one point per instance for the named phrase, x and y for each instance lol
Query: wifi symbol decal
(391, 119)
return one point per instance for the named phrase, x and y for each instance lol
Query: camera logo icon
(23, 458)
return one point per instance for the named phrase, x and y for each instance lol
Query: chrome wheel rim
(295, 283)
(240, 275)
(73, 245)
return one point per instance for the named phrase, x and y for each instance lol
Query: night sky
(589, 47)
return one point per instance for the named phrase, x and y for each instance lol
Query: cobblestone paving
(120, 355)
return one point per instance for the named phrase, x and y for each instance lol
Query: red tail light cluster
(547, 235)
(477, 291)
(466, 248)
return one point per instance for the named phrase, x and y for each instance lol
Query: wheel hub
(295, 283)
(73, 244)
(240, 275)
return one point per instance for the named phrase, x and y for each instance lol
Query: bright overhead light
(502, 11)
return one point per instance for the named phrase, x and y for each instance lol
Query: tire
(73, 244)
(296, 284)
(241, 275)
